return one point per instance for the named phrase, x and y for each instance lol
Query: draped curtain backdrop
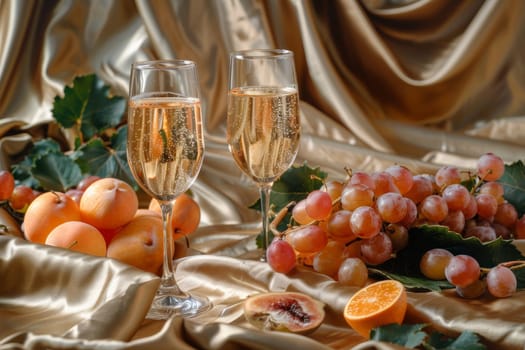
(415, 82)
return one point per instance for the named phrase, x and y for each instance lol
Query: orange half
(378, 304)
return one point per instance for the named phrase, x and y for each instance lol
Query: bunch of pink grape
(348, 225)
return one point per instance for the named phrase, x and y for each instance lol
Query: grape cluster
(348, 225)
(16, 197)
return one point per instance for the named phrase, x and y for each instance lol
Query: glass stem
(168, 272)
(265, 191)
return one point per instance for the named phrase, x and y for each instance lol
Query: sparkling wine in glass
(263, 126)
(165, 149)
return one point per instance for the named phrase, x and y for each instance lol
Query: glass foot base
(164, 306)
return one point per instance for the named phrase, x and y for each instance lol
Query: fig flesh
(284, 311)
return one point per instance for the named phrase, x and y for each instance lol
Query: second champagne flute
(263, 126)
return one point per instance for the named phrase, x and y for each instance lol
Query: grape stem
(513, 265)
(278, 218)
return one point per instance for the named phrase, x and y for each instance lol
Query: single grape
(352, 272)
(471, 209)
(455, 221)
(433, 263)
(362, 178)
(328, 260)
(457, 196)
(483, 233)
(280, 255)
(378, 249)
(353, 250)
(490, 167)
(506, 215)
(502, 231)
(318, 205)
(495, 189)
(308, 239)
(398, 235)
(334, 189)
(447, 175)
(300, 215)
(411, 214)
(365, 222)
(473, 290)
(355, 196)
(7, 184)
(75, 194)
(87, 181)
(391, 207)
(462, 270)
(402, 177)
(501, 281)
(384, 183)
(338, 226)
(21, 197)
(432, 179)
(487, 206)
(434, 208)
(422, 187)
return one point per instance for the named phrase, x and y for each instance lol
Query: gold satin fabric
(415, 82)
(67, 300)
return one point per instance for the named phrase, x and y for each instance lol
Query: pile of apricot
(101, 217)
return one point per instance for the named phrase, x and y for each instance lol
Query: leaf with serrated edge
(465, 341)
(407, 335)
(57, 172)
(88, 104)
(295, 184)
(412, 282)
(97, 159)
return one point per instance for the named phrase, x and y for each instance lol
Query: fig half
(284, 311)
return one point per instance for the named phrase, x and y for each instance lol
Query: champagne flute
(165, 149)
(263, 127)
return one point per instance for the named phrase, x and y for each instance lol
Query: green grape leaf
(95, 158)
(513, 181)
(23, 170)
(295, 184)
(409, 336)
(465, 341)
(56, 172)
(414, 336)
(88, 104)
(412, 282)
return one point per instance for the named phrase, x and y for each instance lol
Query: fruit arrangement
(101, 217)
(346, 229)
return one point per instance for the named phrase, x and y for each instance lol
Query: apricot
(139, 243)
(108, 203)
(46, 212)
(186, 215)
(78, 236)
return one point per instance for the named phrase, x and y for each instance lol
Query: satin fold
(414, 82)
